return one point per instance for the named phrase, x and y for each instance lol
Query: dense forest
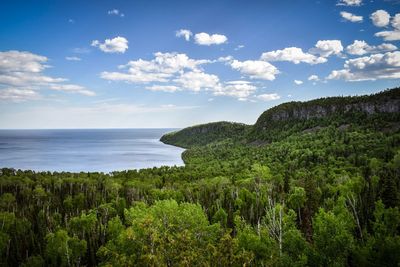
(310, 184)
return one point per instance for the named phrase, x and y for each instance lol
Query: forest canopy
(320, 189)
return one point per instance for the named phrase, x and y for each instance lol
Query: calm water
(103, 150)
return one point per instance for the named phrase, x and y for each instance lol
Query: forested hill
(288, 118)
(206, 133)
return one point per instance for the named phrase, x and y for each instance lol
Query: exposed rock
(313, 130)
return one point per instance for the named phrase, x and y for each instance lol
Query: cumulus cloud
(360, 48)
(73, 58)
(239, 89)
(18, 95)
(349, 3)
(116, 45)
(184, 33)
(396, 21)
(351, 17)
(313, 78)
(177, 72)
(196, 81)
(256, 69)
(298, 82)
(160, 69)
(115, 12)
(380, 18)
(292, 54)
(326, 48)
(268, 97)
(316, 55)
(373, 67)
(21, 75)
(203, 38)
(389, 35)
(16, 61)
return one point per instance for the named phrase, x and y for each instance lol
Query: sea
(87, 150)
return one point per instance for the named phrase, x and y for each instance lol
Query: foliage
(326, 197)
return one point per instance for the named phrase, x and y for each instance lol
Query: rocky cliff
(384, 102)
(382, 108)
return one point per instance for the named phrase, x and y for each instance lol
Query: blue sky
(135, 64)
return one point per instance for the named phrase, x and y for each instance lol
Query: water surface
(76, 150)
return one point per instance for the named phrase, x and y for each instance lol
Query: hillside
(380, 111)
(205, 133)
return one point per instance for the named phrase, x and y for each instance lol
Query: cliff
(378, 111)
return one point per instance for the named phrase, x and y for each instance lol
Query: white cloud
(292, 54)
(239, 89)
(17, 61)
(72, 88)
(71, 21)
(313, 77)
(349, 3)
(238, 82)
(196, 81)
(315, 55)
(73, 58)
(380, 18)
(21, 74)
(178, 72)
(389, 35)
(18, 95)
(116, 45)
(207, 39)
(326, 48)
(373, 67)
(396, 21)
(225, 59)
(256, 69)
(298, 82)
(360, 48)
(184, 33)
(163, 88)
(115, 12)
(351, 17)
(268, 97)
(160, 69)
(238, 47)
(22, 79)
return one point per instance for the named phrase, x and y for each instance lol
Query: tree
(63, 250)
(297, 198)
(333, 240)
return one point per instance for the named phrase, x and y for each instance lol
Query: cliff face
(318, 111)
(385, 102)
(288, 118)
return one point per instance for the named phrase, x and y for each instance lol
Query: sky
(172, 64)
